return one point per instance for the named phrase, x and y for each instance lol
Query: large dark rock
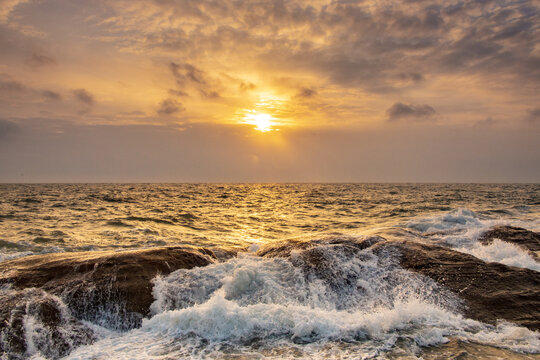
(491, 291)
(526, 239)
(113, 289)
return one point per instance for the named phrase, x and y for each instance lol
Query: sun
(262, 121)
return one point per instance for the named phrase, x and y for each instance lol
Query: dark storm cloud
(400, 111)
(169, 107)
(84, 96)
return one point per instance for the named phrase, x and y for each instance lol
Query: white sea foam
(460, 230)
(504, 253)
(44, 323)
(14, 255)
(346, 304)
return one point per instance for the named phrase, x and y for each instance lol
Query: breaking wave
(330, 300)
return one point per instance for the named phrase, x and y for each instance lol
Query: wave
(330, 295)
(461, 229)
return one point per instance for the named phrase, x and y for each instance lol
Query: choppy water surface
(251, 307)
(37, 218)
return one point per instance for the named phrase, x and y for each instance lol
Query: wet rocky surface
(491, 291)
(56, 293)
(32, 321)
(94, 284)
(526, 239)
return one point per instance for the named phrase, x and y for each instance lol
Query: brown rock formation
(491, 291)
(97, 282)
(526, 239)
(53, 331)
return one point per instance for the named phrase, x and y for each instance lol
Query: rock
(528, 240)
(34, 322)
(112, 289)
(284, 249)
(491, 291)
(464, 350)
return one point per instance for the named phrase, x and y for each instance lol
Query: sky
(269, 91)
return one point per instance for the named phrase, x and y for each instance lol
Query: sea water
(249, 307)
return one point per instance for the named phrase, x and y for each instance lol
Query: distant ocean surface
(251, 307)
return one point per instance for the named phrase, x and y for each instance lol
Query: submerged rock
(526, 239)
(113, 289)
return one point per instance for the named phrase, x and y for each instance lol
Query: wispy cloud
(7, 129)
(533, 115)
(169, 107)
(84, 96)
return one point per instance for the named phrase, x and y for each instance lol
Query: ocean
(243, 305)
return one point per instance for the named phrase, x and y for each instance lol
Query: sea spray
(253, 306)
(460, 229)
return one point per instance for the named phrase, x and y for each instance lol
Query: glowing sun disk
(262, 121)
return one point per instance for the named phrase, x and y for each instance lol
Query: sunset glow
(262, 122)
(154, 83)
(308, 179)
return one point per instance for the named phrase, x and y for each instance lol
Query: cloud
(411, 76)
(51, 95)
(533, 115)
(225, 153)
(187, 75)
(7, 128)
(306, 92)
(11, 89)
(7, 85)
(400, 111)
(177, 92)
(169, 107)
(246, 86)
(84, 96)
(7, 6)
(38, 60)
(216, 59)
(487, 122)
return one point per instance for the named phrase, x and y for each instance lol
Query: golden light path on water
(332, 300)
